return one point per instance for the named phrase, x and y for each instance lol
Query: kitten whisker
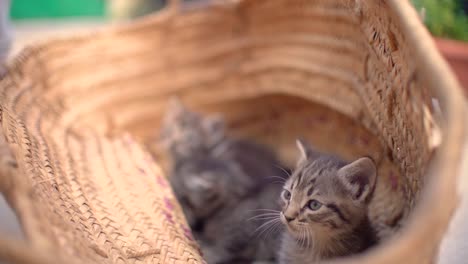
(282, 179)
(303, 237)
(263, 216)
(304, 232)
(266, 210)
(277, 182)
(300, 237)
(269, 213)
(266, 230)
(265, 225)
(263, 219)
(285, 171)
(308, 244)
(274, 229)
(278, 227)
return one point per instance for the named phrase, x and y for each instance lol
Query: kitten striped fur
(325, 208)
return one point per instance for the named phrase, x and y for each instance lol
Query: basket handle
(173, 5)
(19, 251)
(8, 165)
(176, 6)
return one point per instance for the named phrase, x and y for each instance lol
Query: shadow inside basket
(276, 121)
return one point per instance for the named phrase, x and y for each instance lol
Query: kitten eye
(314, 205)
(286, 195)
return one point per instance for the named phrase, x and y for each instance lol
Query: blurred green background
(25, 9)
(444, 18)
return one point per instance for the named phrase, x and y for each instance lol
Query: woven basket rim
(443, 170)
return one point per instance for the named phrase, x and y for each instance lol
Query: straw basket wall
(354, 77)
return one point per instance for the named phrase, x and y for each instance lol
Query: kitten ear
(174, 110)
(213, 126)
(306, 152)
(359, 178)
(175, 106)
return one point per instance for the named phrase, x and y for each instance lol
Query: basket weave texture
(355, 77)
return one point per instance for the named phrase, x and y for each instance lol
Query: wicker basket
(355, 77)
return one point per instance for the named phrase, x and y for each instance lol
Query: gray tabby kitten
(223, 205)
(325, 208)
(221, 182)
(185, 133)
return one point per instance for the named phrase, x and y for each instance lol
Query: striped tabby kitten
(325, 208)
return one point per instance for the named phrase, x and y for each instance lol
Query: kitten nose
(289, 219)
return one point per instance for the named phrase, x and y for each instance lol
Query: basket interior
(277, 120)
(268, 66)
